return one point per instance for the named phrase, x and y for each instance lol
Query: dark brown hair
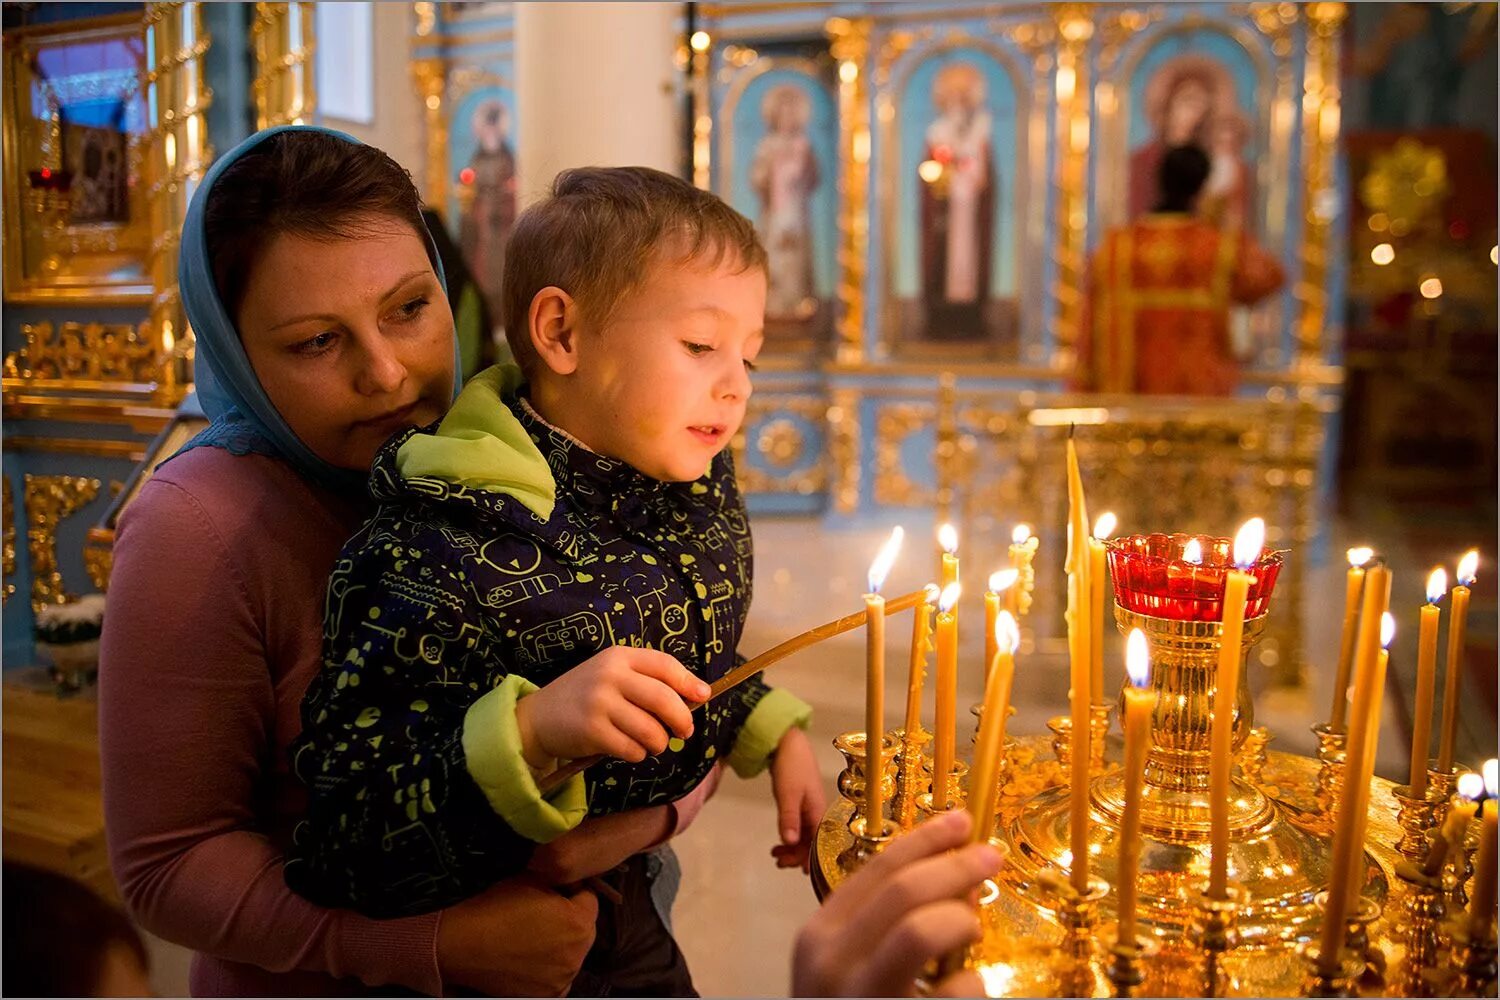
(599, 230)
(306, 184)
(57, 933)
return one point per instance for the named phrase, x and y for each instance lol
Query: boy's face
(663, 385)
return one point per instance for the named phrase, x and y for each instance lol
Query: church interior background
(1355, 142)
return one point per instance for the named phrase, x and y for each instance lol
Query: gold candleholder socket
(1358, 945)
(1253, 753)
(851, 780)
(1214, 931)
(1322, 983)
(1472, 957)
(1078, 914)
(911, 771)
(1418, 817)
(1331, 757)
(1423, 906)
(1127, 963)
(957, 782)
(1062, 736)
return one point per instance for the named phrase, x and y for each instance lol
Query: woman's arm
(186, 730)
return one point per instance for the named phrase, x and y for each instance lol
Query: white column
(595, 85)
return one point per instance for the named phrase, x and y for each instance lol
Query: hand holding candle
(1103, 528)
(1140, 703)
(1247, 545)
(875, 686)
(1458, 621)
(990, 748)
(1353, 587)
(1421, 720)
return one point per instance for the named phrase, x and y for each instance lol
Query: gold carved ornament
(850, 46)
(96, 352)
(7, 541)
(48, 500)
(843, 449)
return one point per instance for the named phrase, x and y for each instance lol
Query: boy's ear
(553, 322)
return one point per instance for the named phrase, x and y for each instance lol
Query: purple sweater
(214, 630)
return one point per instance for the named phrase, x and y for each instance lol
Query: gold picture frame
(77, 227)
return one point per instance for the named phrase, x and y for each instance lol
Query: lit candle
(1421, 728)
(875, 685)
(1000, 582)
(1077, 567)
(1247, 546)
(1103, 528)
(1140, 703)
(947, 695)
(1458, 621)
(1482, 896)
(984, 793)
(948, 539)
(921, 644)
(1353, 583)
(1456, 823)
(1359, 763)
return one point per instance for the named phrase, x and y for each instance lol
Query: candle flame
(1020, 534)
(930, 593)
(1491, 777)
(1468, 566)
(1387, 629)
(1359, 556)
(1248, 542)
(949, 597)
(948, 538)
(1471, 786)
(1138, 658)
(1437, 585)
(1003, 579)
(1105, 526)
(1192, 552)
(1007, 633)
(885, 559)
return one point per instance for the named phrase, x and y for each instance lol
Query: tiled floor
(737, 914)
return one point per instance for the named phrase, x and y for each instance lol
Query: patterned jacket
(468, 589)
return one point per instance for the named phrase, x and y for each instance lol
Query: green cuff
(776, 712)
(492, 750)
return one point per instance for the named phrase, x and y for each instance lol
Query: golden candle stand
(1042, 938)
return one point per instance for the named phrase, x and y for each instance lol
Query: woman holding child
(323, 331)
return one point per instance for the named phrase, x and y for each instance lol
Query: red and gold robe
(1160, 291)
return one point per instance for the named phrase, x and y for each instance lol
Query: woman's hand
(908, 906)
(620, 703)
(798, 788)
(596, 845)
(517, 938)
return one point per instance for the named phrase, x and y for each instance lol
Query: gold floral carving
(7, 541)
(48, 500)
(850, 45)
(98, 560)
(95, 352)
(431, 76)
(783, 445)
(894, 424)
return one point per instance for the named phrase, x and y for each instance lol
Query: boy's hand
(798, 788)
(622, 702)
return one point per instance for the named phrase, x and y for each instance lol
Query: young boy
(556, 571)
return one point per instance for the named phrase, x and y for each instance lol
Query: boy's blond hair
(597, 232)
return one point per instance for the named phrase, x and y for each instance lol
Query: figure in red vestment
(1160, 293)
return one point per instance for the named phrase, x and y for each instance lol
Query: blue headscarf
(244, 420)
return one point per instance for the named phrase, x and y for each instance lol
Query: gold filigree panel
(774, 430)
(93, 352)
(48, 500)
(895, 423)
(7, 542)
(843, 449)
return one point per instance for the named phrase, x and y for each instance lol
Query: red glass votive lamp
(1152, 577)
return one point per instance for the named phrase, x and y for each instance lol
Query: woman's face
(352, 339)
